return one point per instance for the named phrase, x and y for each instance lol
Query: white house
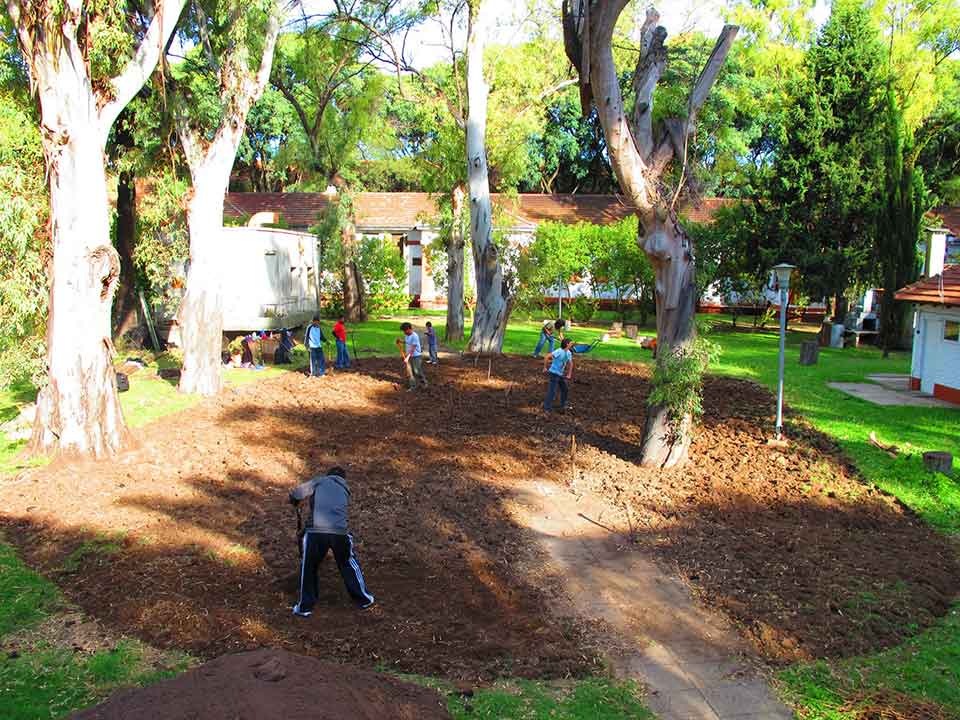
(935, 365)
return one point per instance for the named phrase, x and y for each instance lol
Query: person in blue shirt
(431, 343)
(314, 340)
(559, 368)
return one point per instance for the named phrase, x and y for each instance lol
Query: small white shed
(935, 365)
(269, 278)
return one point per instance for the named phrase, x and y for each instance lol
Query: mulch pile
(790, 543)
(273, 685)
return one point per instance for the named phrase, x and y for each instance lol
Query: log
(938, 462)
(809, 352)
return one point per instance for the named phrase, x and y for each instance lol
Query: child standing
(413, 356)
(432, 343)
(326, 528)
(559, 367)
(340, 334)
(314, 340)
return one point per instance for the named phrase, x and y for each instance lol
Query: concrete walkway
(889, 390)
(695, 665)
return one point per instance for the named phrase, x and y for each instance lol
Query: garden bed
(187, 540)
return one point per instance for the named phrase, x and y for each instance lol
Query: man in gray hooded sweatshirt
(326, 528)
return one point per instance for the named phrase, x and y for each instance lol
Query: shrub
(582, 309)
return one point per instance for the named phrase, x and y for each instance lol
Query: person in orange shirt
(340, 334)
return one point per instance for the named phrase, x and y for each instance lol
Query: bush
(582, 309)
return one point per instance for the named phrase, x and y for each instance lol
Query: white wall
(268, 277)
(935, 361)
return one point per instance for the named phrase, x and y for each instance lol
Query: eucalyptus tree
(215, 87)
(86, 61)
(641, 151)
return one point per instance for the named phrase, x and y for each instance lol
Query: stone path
(695, 665)
(889, 390)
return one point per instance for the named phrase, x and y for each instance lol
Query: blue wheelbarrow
(584, 348)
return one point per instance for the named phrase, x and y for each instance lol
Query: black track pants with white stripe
(315, 546)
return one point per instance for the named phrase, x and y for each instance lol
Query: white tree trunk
(455, 262)
(493, 304)
(201, 311)
(78, 411)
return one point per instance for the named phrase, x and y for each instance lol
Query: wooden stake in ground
(489, 367)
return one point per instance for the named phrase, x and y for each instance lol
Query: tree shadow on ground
(208, 562)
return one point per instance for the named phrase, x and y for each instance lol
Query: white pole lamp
(783, 271)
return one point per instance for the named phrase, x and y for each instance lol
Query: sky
(426, 45)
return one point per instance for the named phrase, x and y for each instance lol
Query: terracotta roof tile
(404, 210)
(948, 216)
(297, 210)
(943, 289)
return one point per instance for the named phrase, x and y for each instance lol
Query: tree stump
(825, 330)
(938, 462)
(616, 328)
(809, 352)
(632, 331)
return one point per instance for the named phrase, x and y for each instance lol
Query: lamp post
(783, 271)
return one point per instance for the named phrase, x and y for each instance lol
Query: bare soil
(187, 540)
(271, 684)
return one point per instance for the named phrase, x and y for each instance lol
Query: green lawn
(46, 681)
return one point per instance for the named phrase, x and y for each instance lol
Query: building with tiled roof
(935, 364)
(409, 218)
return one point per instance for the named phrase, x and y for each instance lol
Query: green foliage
(384, 274)
(24, 245)
(163, 241)
(583, 308)
(678, 379)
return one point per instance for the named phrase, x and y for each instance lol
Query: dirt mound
(273, 685)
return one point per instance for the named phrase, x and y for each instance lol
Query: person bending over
(326, 529)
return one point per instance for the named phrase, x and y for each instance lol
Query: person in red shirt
(340, 334)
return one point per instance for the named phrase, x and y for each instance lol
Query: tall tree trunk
(79, 411)
(493, 300)
(840, 306)
(354, 308)
(639, 156)
(455, 268)
(201, 311)
(125, 306)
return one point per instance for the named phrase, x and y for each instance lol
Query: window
(951, 330)
(417, 261)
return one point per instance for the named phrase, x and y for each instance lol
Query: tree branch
(128, 83)
(650, 65)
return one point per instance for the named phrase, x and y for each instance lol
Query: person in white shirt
(413, 356)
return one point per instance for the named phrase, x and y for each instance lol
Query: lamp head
(783, 271)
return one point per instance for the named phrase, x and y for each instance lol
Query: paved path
(889, 390)
(693, 662)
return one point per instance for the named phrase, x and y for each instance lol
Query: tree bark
(126, 304)
(79, 411)
(354, 309)
(455, 268)
(639, 157)
(201, 311)
(493, 300)
(840, 306)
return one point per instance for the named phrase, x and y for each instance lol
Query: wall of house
(935, 365)
(269, 278)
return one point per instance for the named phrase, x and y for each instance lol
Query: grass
(587, 699)
(46, 681)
